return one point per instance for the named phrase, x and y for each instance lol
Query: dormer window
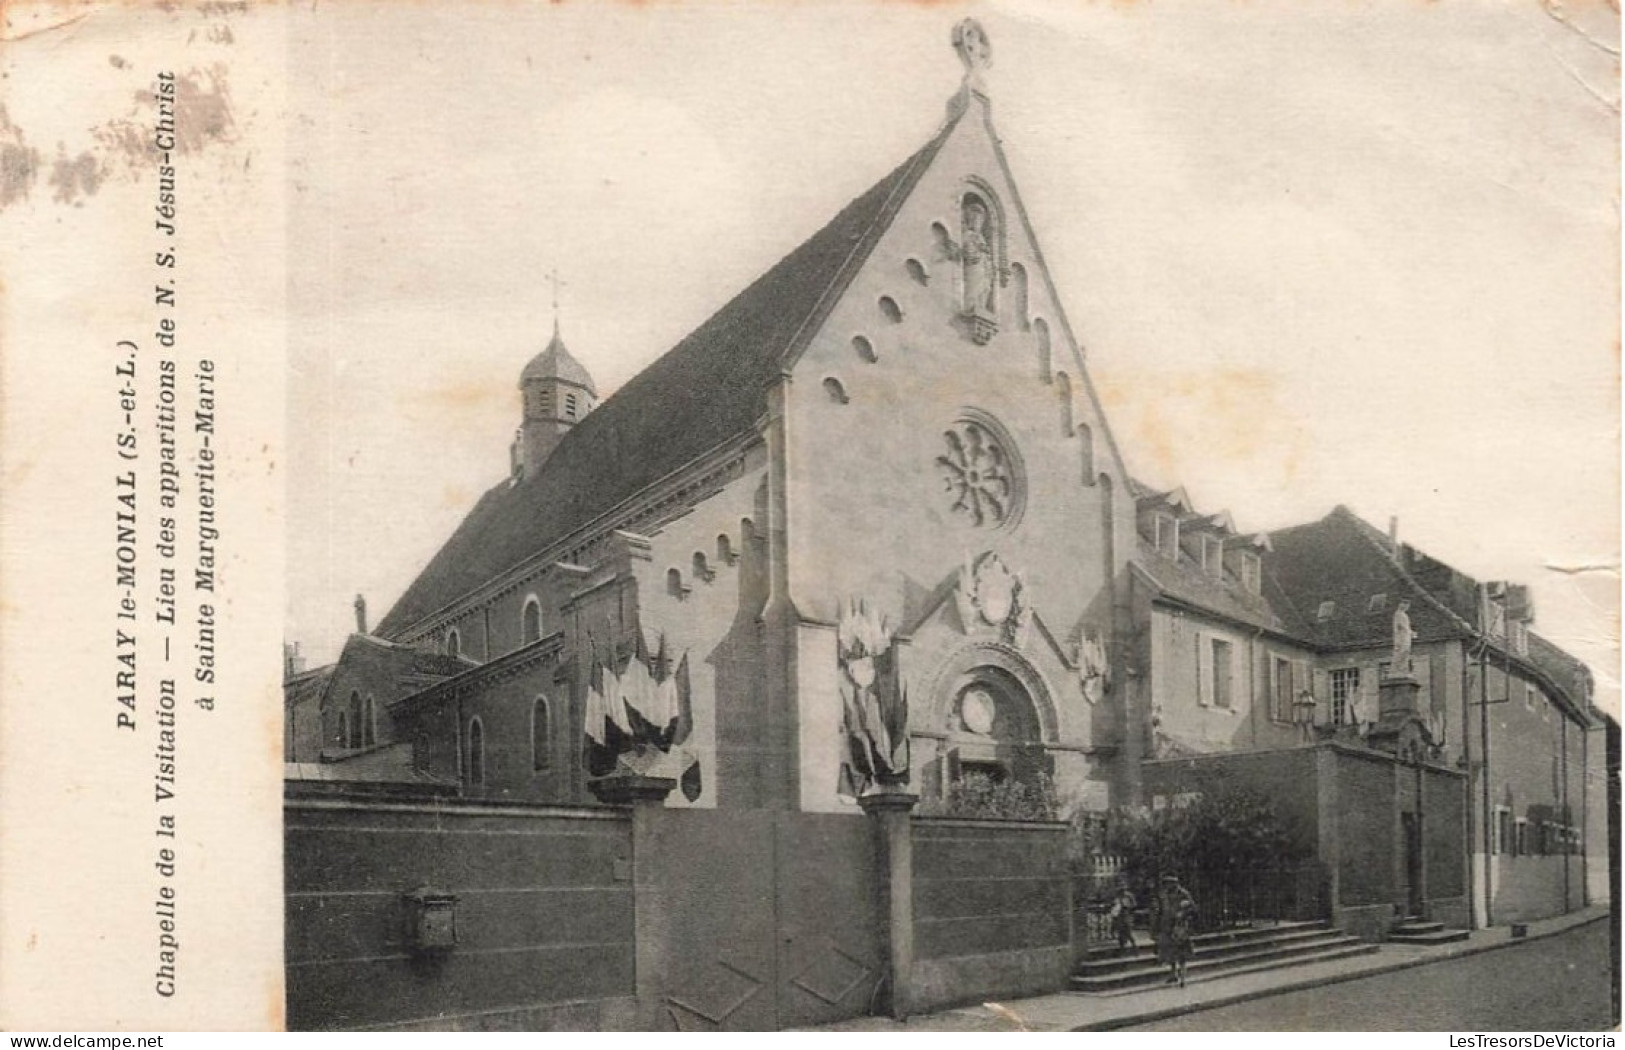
(1166, 534)
(1251, 576)
(1212, 556)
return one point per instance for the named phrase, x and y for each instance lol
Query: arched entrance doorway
(994, 717)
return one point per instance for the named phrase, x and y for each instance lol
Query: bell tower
(557, 394)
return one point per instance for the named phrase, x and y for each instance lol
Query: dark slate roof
(1345, 560)
(706, 390)
(1184, 581)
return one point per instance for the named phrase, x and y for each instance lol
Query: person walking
(1122, 916)
(1173, 915)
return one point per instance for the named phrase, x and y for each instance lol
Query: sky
(1360, 252)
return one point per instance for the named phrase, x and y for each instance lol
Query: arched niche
(1018, 295)
(1063, 387)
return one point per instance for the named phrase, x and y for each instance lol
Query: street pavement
(1556, 984)
(1573, 973)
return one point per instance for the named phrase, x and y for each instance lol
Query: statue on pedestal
(1403, 636)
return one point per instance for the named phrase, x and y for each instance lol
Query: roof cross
(557, 283)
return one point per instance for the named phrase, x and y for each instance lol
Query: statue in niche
(976, 255)
(1403, 637)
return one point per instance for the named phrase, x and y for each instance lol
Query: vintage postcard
(839, 515)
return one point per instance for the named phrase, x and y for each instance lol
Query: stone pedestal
(1397, 696)
(1400, 728)
(647, 798)
(889, 808)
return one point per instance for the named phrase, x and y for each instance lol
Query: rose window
(980, 474)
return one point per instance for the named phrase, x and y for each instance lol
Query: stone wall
(992, 913)
(543, 914)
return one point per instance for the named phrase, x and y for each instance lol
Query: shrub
(978, 795)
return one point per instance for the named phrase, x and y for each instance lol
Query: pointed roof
(702, 393)
(556, 362)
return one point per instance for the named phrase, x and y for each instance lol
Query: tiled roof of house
(1184, 581)
(705, 391)
(1339, 576)
(1570, 674)
(306, 684)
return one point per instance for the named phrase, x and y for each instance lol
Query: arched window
(476, 752)
(344, 729)
(836, 392)
(355, 720)
(454, 643)
(725, 550)
(702, 569)
(1018, 281)
(369, 725)
(530, 626)
(541, 735)
(674, 584)
(1041, 330)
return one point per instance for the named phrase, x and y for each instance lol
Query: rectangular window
(1281, 697)
(1520, 845)
(1503, 830)
(1528, 698)
(1212, 556)
(1345, 692)
(1221, 673)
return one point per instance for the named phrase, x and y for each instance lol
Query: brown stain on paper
(1238, 410)
(122, 148)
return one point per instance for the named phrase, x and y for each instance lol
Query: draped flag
(640, 715)
(874, 705)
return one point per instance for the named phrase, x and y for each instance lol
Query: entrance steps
(1414, 930)
(1227, 953)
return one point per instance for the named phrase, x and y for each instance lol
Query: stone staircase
(1414, 930)
(1241, 950)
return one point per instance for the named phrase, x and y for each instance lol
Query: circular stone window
(981, 473)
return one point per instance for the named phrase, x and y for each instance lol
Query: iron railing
(1225, 898)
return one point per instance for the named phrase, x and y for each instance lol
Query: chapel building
(868, 523)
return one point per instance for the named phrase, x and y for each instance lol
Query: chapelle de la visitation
(867, 531)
